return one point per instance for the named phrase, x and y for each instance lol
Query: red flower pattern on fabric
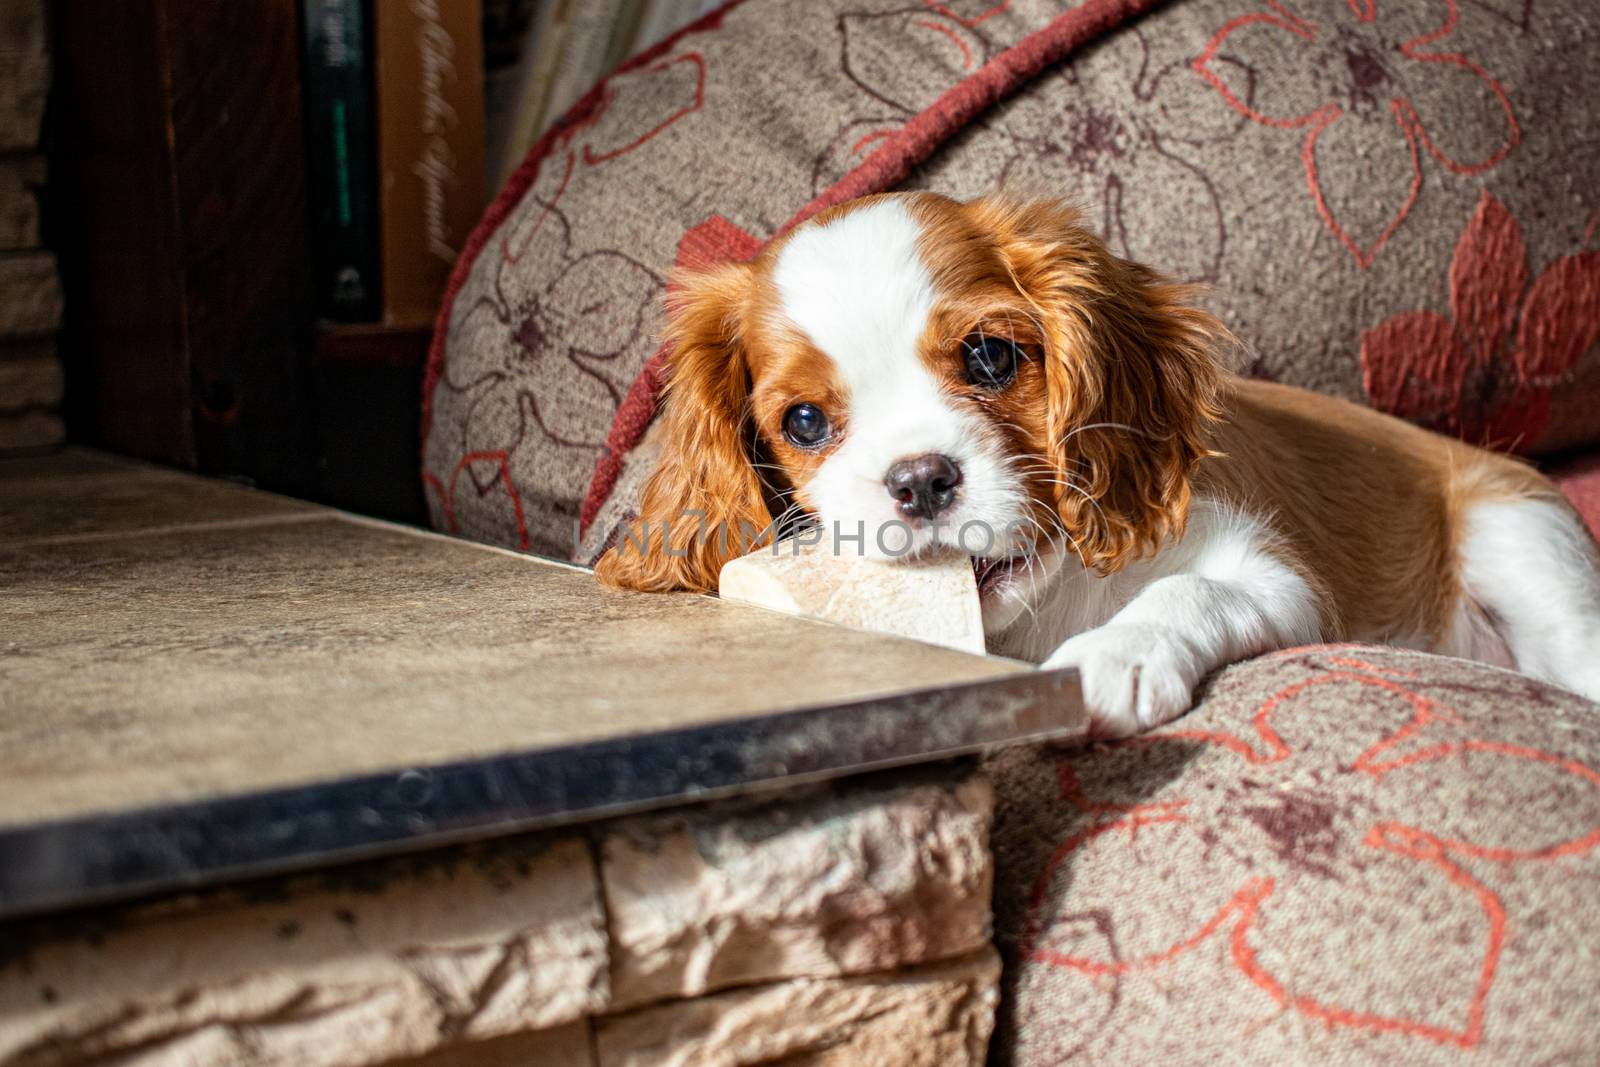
(1364, 67)
(535, 304)
(495, 468)
(968, 14)
(1502, 341)
(603, 297)
(1333, 833)
(675, 85)
(1119, 137)
(1132, 165)
(716, 240)
(559, 327)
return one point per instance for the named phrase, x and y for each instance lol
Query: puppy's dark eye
(991, 361)
(805, 425)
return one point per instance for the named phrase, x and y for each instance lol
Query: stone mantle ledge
(842, 922)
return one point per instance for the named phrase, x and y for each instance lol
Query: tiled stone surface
(165, 639)
(850, 883)
(63, 463)
(357, 966)
(155, 669)
(939, 1015)
(86, 495)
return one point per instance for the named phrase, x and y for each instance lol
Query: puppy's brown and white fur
(1134, 511)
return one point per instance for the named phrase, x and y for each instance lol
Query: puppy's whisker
(1067, 536)
(1083, 493)
(1076, 430)
(775, 528)
(1053, 477)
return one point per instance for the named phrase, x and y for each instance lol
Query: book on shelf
(430, 146)
(412, 103)
(339, 160)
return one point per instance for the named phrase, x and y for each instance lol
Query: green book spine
(341, 159)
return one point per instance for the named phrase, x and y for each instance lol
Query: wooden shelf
(178, 205)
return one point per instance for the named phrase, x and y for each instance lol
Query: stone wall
(30, 289)
(840, 926)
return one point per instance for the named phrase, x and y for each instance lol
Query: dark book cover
(341, 159)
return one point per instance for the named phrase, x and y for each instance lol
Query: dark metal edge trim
(99, 859)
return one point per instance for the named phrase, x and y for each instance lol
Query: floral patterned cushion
(1396, 202)
(1344, 855)
(1347, 856)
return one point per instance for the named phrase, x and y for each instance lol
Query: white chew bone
(933, 600)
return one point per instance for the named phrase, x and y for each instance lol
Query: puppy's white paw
(1135, 677)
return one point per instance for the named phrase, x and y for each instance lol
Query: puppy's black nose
(923, 486)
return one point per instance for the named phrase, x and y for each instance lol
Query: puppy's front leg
(1229, 602)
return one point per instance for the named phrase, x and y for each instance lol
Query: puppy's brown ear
(704, 504)
(1131, 377)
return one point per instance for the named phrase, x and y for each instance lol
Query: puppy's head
(916, 372)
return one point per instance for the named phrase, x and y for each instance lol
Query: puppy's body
(913, 362)
(1319, 520)
(1371, 509)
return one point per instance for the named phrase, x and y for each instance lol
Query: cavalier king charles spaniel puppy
(922, 375)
